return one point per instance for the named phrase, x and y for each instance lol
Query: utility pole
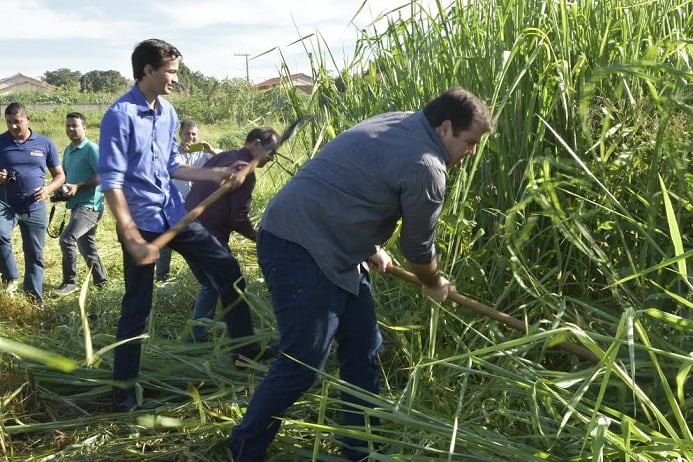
(247, 75)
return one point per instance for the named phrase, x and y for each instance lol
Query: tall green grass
(574, 217)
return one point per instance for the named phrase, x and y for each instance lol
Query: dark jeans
(163, 264)
(212, 265)
(80, 233)
(311, 311)
(32, 227)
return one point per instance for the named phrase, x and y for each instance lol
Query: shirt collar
(142, 104)
(433, 134)
(81, 144)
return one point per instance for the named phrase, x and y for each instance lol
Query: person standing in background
(189, 134)
(24, 157)
(229, 213)
(85, 202)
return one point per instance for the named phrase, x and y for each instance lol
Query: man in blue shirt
(85, 201)
(320, 228)
(24, 157)
(138, 159)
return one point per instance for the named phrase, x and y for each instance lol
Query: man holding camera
(24, 157)
(85, 201)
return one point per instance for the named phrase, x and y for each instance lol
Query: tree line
(207, 99)
(189, 82)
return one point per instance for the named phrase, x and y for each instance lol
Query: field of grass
(575, 218)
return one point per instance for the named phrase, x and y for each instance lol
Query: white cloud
(30, 20)
(47, 34)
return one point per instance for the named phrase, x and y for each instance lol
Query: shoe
(66, 289)
(162, 277)
(101, 285)
(11, 286)
(124, 400)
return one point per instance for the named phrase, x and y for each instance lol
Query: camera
(12, 175)
(60, 194)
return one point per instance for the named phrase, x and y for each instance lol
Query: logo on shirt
(36, 153)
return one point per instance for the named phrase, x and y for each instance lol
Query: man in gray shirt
(331, 217)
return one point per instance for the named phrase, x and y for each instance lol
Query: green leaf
(675, 321)
(32, 353)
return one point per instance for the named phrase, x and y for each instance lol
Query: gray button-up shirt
(348, 199)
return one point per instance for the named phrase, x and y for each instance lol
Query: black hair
(264, 134)
(154, 52)
(15, 108)
(77, 115)
(461, 108)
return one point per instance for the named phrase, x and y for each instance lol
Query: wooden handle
(510, 321)
(168, 235)
(162, 240)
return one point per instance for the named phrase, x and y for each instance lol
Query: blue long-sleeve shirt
(348, 199)
(138, 154)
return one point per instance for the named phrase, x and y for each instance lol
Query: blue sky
(45, 35)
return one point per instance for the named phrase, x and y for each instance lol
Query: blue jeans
(212, 265)
(32, 226)
(80, 233)
(205, 307)
(311, 311)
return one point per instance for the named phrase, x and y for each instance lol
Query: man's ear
(444, 127)
(256, 147)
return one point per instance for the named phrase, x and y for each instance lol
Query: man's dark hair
(15, 108)
(264, 134)
(154, 52)
(77, 115)
(461, 108)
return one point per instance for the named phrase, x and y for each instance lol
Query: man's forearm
(142, 252)
(56, 182)
(121, 212)
(188, 173)
(90, 183)
(427, 273)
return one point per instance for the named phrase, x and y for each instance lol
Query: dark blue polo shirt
(29, 160)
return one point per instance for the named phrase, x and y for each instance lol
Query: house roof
(19, 78)
(298, 80)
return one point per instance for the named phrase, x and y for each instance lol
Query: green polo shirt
(81, 164)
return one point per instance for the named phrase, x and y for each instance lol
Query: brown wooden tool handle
(510, 321)
(162, 240)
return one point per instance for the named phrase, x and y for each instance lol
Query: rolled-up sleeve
(422, 198)
(113, 150)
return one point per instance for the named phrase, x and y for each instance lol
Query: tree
(63, 78)
(103, 81)
(192, 83)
